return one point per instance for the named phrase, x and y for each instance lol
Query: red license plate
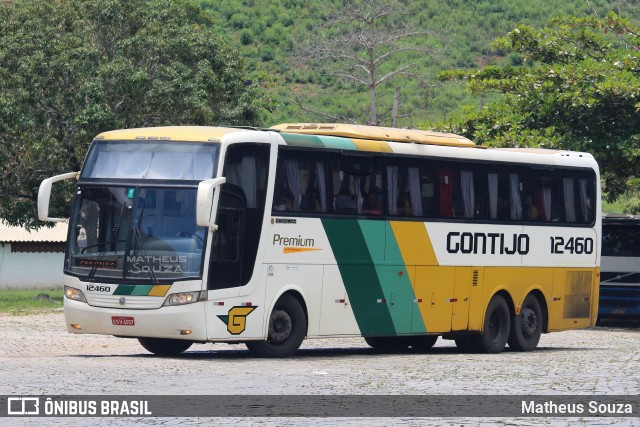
(123, 320)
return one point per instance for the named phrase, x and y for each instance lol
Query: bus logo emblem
(122, 300)
(236, 320)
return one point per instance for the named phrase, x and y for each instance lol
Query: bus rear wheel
(164, 346)
(526, 327)
(287, 329)
(497, 325)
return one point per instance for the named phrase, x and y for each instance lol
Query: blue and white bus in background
(620, 267)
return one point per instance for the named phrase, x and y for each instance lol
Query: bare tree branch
(348, 76)
(359, 42)
(339, 118)
(394, 73)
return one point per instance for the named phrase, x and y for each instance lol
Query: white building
(31, 259)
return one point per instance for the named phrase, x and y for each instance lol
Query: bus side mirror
(44, 196)
(204, 202)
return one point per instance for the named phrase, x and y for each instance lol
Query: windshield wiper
(114, 233)
(137, 240)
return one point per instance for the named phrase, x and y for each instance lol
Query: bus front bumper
(181, 322)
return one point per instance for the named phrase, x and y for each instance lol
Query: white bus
(620, 279)
(182, 235)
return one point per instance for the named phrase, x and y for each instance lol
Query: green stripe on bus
(315, 141)
(405, 312)
(142, 290)
(124, 289)
(302, 140)
(359, 276)
(338, 143)
(392, 274)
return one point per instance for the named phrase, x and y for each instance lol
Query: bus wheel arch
(164, 346)
(527, 326)
(286, 328)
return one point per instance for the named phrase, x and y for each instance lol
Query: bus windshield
(621, 240)
(151, 160)
(131, 232)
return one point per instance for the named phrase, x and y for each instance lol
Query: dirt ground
(38, 357)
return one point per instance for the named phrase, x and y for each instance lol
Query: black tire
(526, 327)
(423, 342)
(465, 344)
(164, 346)
(287, 329)
(389, 344)
(497, 325)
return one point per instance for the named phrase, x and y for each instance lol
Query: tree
(368, 43)
(71, 69)
(578, 89)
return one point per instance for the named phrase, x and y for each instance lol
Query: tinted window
(357, 185)
(410, 188)
(301, 183)
(620, 240)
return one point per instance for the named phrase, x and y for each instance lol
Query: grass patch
(29, 301)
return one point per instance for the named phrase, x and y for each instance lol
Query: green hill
(267, 32)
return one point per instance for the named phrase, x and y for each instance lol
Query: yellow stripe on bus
(293, 249)
(371, 145)
(159, 290)
(414, 243)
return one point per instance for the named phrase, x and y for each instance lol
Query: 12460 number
(98, 288)
(575, 245)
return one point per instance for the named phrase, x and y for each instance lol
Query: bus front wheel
(164, 346)
(287, 329)
(497, 325)
(526, 328)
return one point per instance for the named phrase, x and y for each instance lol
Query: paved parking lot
(38, 357)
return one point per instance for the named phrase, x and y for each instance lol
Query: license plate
(123, 320)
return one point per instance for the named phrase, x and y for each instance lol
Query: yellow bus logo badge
(236, 320)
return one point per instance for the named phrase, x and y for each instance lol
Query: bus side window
(505, 194)
(357, 185)
(462, 192)
(300, 183)
(445, 187)
(240, 213)
(577, 194)
(545, 196)
(409, 185)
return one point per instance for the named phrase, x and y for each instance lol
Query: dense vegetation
(551, 83)
(268, 33)
(70, 70)
(577, 89)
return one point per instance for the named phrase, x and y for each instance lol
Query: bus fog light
(74, 294)
(76, 326)
(182, 298)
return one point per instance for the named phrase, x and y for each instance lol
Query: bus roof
(376, 133)
(170, 133)
(621, 219)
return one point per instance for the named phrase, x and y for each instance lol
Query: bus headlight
(184, 298)
(74, 294)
